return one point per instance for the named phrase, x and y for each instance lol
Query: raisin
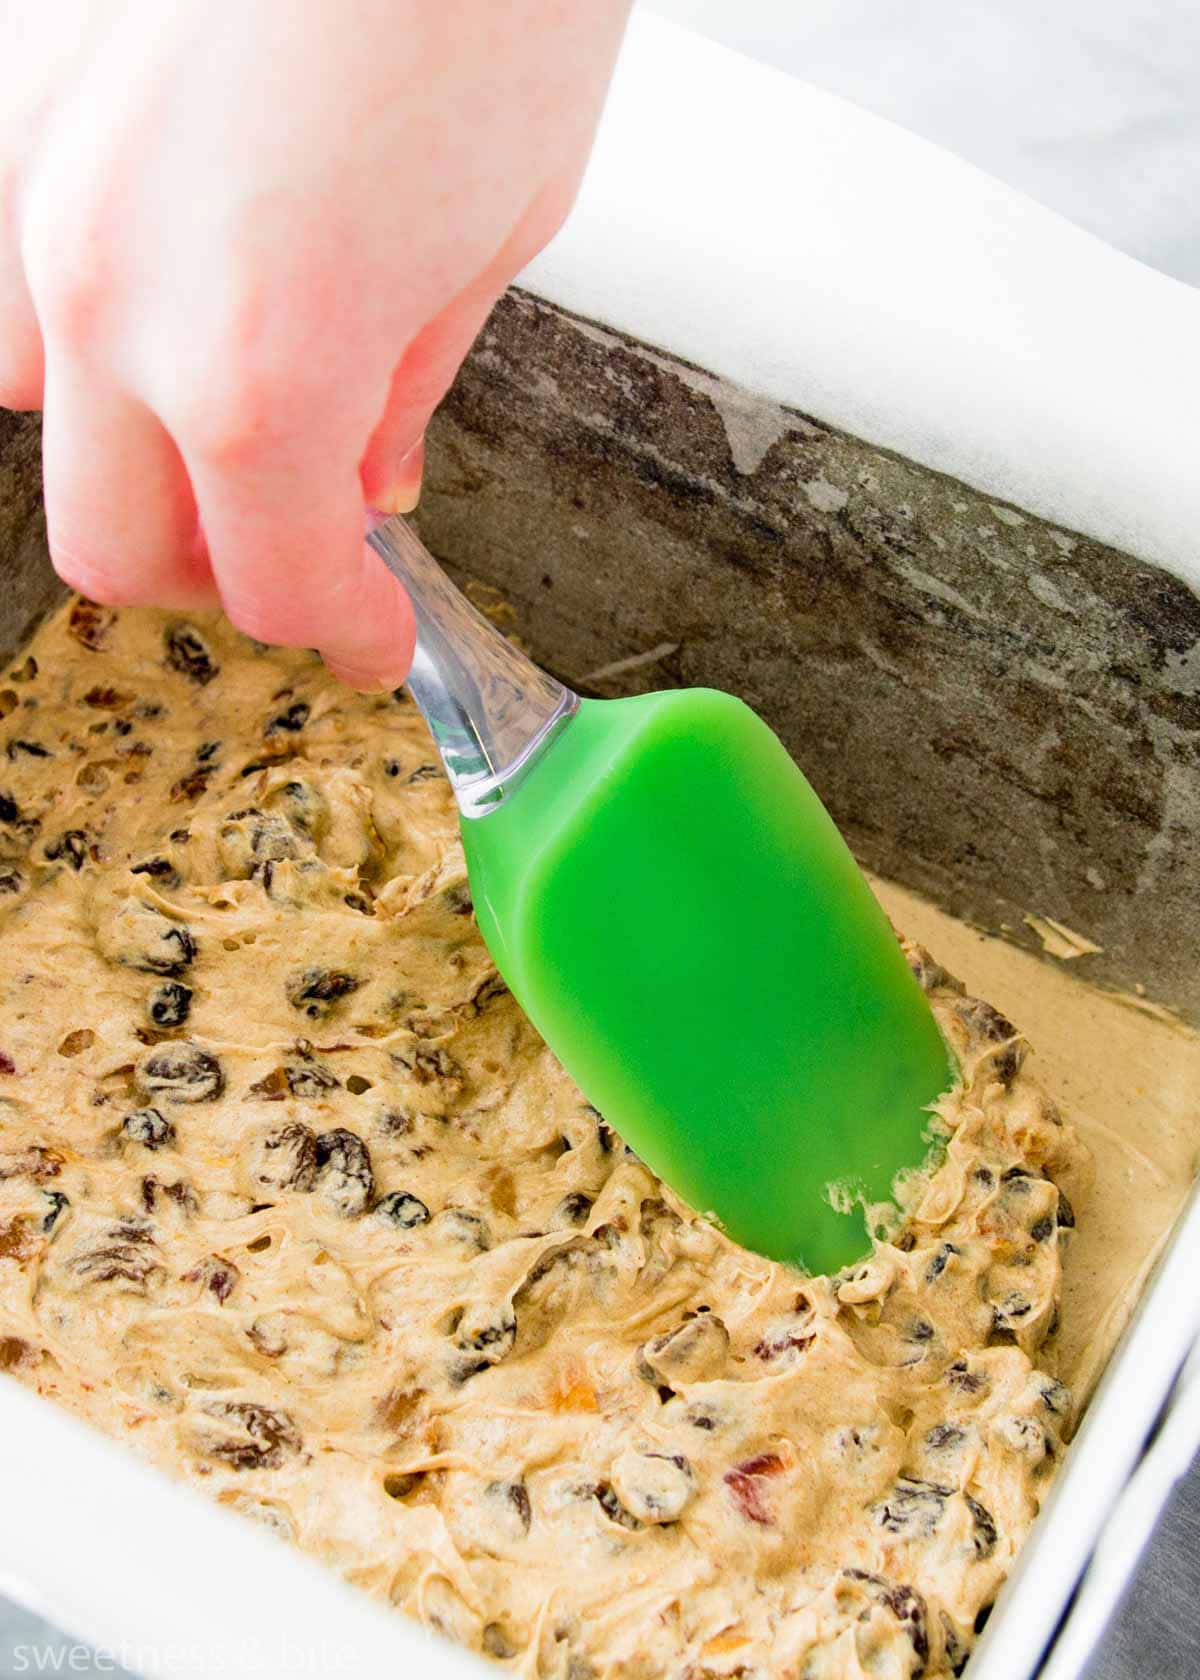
(612, 1506)
(498, 1642)
(287, 1158)
(11, 880)
(158, 869)
(465, 1229)
(103, 699)
(188, 653)
(431, 1067)
(141, 937)
(256, 1439)
(1056, 1396)
(119, 1256)
(483, 1338)
(940, 1261)
(961, 1377)
(30, 748)
(514, 1496)
(181, 1193)
(985, 1527)
(311, 1082)
(58, 1205)
(1011, 1307)
(1066, 1213)
(345, 1177)
(1042, 1229)
(37, 1162)
(291, 720)
(695, 1351)
(572, 1210)
(945, 1437)
(908, 1607)
(10, 811)
(170, 1004)
(218, 1275)
(148, 1127)
(90, 624)
(182, 1072)
(912, 1507)
(423, 773)
(778, 1343)
(402, 1210)
(656, 1487)
(317, 990)
(190, 786)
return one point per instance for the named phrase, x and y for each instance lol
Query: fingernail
(366, 682)
(403, 499)
(405, 491)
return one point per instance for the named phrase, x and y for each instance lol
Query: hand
(243, 249)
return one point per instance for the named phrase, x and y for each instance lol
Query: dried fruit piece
(464, 1229)
(251, 1438)
(913, 1507)
(317, 990)
(57, 1205)
(608, 1501)
(747, 1486)
(985, 1527)
(512, 1500)
(188, 653)
(345, 1179)
(148, 1127)
(90, 624)
(75, 1043)
(156, 1194)
(104, 699)
(159, 869)
(695, 1351)
(122, 1253)
(218, 1275)
(655, 1487)
(402, 1209)
(484, 1335)
(182, 1072)
(572, 1210)
(291, 720)
(907, 1605)
(286, 1158)
(141, 937)
(170, 1005)
(311, 1081)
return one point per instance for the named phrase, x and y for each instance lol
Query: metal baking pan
(528, 467)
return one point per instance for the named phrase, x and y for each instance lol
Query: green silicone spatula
(675, 911)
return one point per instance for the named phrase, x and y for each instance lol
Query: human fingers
(119, 510)
(283, 520)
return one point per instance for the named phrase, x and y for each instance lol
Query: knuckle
(239, 417)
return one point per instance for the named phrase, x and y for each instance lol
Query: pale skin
(244, 248)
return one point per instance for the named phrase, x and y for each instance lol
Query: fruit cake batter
(293, 1199)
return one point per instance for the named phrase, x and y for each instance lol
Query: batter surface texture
(294, 1200)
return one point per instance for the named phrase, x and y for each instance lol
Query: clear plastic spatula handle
(490, 710)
